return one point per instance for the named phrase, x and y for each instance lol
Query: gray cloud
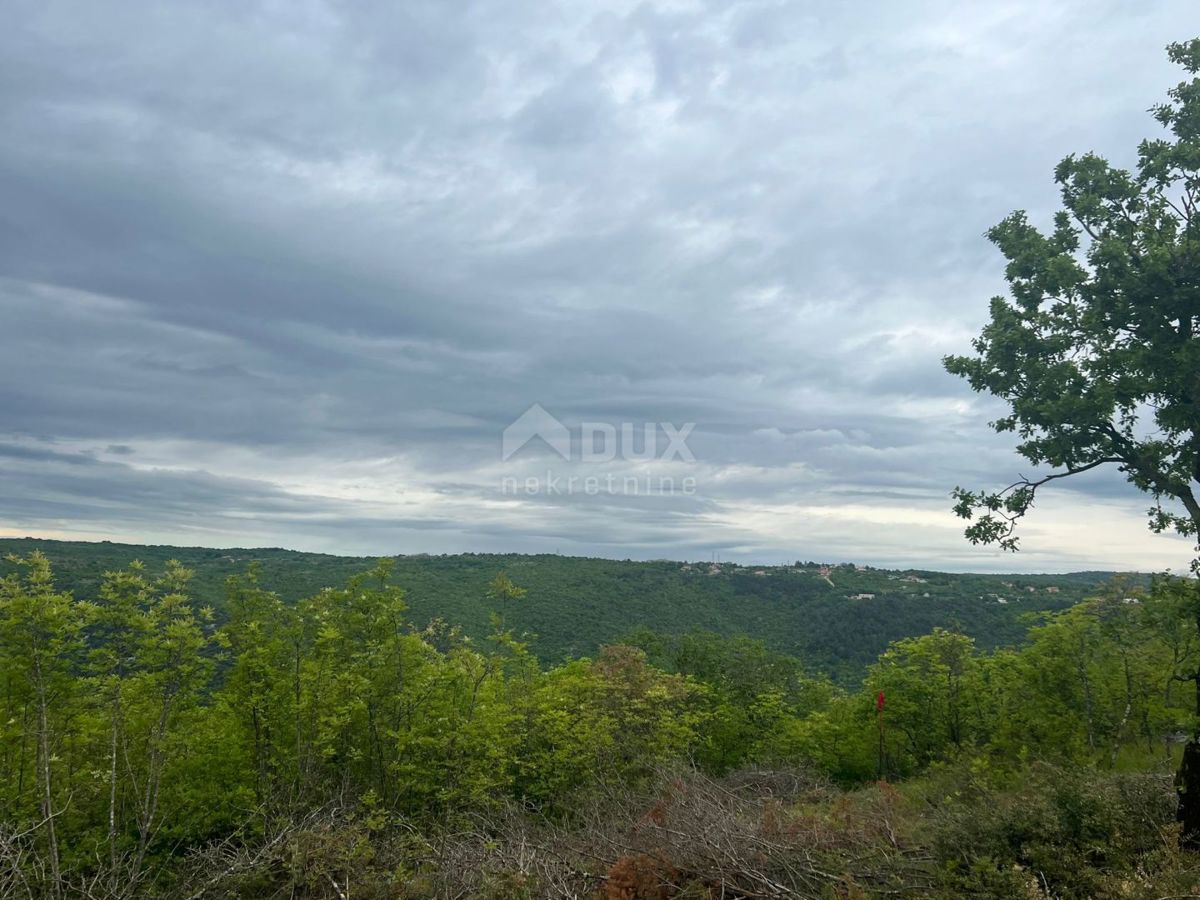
(281, 275)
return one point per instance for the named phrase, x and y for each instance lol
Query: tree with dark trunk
(1096, 349)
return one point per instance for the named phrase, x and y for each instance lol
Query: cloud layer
(281, 274)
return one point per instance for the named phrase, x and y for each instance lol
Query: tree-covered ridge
(576, 604)
(301, 749)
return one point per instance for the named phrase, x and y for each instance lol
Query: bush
(1063, 831)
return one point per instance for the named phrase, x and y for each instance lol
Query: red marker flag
(879, 702)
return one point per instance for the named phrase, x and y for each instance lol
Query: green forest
(159, 744)
(576, 605)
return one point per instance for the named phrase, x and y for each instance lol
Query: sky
(282, 274)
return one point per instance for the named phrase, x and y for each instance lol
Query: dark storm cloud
(283, 274)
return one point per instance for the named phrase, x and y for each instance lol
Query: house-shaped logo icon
(536, 422)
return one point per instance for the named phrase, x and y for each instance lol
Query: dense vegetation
(576, 605)
(333, 747)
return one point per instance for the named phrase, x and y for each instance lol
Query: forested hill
(838, 621)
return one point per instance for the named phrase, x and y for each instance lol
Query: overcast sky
(281, 274)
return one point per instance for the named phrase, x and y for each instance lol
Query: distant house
(1052, 590)
(861, 597)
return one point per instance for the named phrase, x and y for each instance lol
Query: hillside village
(882, 581)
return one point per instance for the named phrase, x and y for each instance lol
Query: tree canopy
(1095, 349)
